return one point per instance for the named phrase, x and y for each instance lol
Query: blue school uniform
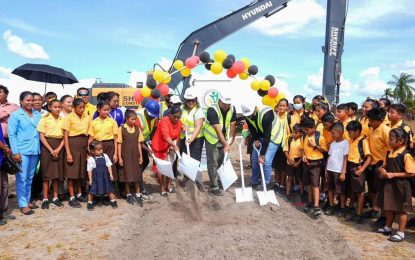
(101, 182)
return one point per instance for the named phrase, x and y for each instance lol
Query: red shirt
(166, 129)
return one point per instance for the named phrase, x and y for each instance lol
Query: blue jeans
(256, 174)
(269, 157)
(24, 179)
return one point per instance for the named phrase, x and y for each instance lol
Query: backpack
(400, 159)
(289, 121)
(361, 150)
(316, 138)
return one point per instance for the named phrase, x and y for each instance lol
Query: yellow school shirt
(345, 133)
(406, 128)
(103, 129)
(354, 155)
(353, 118)
(379, 143)
(296, 119)
(408, 159)
(76, 125)
(365, 126)
(51, 127)
(327, 137)
(294, 150)
(315, 117)
(309, 151)
(130, 130)
(386, 120)
(90, 109)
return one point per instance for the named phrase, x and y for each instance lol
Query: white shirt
(91, 162)
(337, 152)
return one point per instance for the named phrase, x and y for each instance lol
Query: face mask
(298, 106)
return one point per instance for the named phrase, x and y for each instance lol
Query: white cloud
(370, 84)
(5, 72)
(406, 67)
(24, 49)
(292, 19)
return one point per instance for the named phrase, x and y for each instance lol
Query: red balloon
(164, 88)
(230, 74)
(138, 97)
(273, 92)
(192, 62)
(238, 67)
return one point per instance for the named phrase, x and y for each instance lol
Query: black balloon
(151, 83)
(252, 70)
(232, 57)
(208, 65)
(144, 102)
(227, 63)
(204, 57)
(262, 93)
(155, 93)
(271, 79)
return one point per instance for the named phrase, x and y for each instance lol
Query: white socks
(401, 234)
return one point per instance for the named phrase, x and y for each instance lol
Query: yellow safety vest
(209, 131)
(189, 122)
(163, 108)
(143, 121)
(278, 129)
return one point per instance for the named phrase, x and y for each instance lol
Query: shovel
(265, 196)
(243, 194)
(164, 167)
(189, 166)
(226, 173)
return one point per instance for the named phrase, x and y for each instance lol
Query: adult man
(219, 130)
(164, 105)
(84, 94)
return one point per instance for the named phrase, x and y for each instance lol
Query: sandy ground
(192, 225)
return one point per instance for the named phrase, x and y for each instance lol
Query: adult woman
(67, 106)
(113, 100)
(24, 141)
(37, 103)
(165, 138)
(192, 120)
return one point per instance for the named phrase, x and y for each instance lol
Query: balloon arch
(156, 83)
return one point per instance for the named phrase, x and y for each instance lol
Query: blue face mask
(298, 106)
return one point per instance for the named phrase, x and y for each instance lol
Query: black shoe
(3, 222)
(317, 212)
(307, 208)
(114, 204)
(380, 222)
(359, 220)
(383, 231)
(74, 203)
(130, 200)
(340, 212)
(82, 198)
(217, 192)
(9, 217)
(90, 206)
(396, 238)
(105, 201)
(57, 203)
(329, 211)
(45, 204)
(139, 200)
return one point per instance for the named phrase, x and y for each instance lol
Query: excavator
(201, 39)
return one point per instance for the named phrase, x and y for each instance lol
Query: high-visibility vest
(188, 120)
(209, 131)
(258, 123)
(163, 108)
(146, 129)
(278, 129)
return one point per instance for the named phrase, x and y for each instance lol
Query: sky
(118, 41)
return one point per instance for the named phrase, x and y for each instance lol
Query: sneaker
(317, 212)
(90, 206)
(307, 207)
(217, 192)
(82, 198)
(131, 200)
(114, 204)
(57, 203)
(74, 203)
(45, 204)
(329, 211)
(383, 231)
(105, 201)
(138, 200)
(145, 195)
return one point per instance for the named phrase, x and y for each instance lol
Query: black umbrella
(45, 73)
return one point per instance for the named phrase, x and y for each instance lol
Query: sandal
(383, 231)
(28, 212)
(163, 194)
(171, 190)
(396, 238)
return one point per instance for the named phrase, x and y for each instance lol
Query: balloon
(151, 83)
(144, 102)
(264, 84)
(204, 57)
(232, 57)
(155, 93)
(138, 97)
(271, 79)
(216, 68)
(185, 72)
(208, 65)
(164, 88)
(238, 67)
(192, 62)
(230, 74)
(145, 92)
(246, 62)
(255, 85)
(243, 76)
(253, 70)
(167, 79)
(273, 92)
(227, 63)
(267, 100)
(178, 64)
(158, 75)
(262, 93)
(280, 96)
(219, 55)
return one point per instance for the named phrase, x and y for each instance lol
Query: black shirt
(267, 126)
(213, 119)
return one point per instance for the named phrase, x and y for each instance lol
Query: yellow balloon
(158, 75)
(255, 85)
(178, 64)
(219, 55)
(216, 68)
(246, 62)
(167, 79)
(185, 72)
(280, 96)
(145, 92)
(267, 100)
(243, 76)
(274, 103)
(264, 84)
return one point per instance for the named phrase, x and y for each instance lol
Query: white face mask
(298, 106)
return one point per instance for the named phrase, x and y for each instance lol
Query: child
(75, 131)
(130, 157)
(99, 175)
(352, 110)
(395, 192)
(52, 156)
(358, 160)
(385, 104)
(368, 105)
(313, 146)
(342, 114)
(395, 114)
(293, 154)
(328, 120)
(336, 167)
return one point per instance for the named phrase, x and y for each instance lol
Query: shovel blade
(227, 175)
(189, 167)
(244, 195)
(266, 197)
